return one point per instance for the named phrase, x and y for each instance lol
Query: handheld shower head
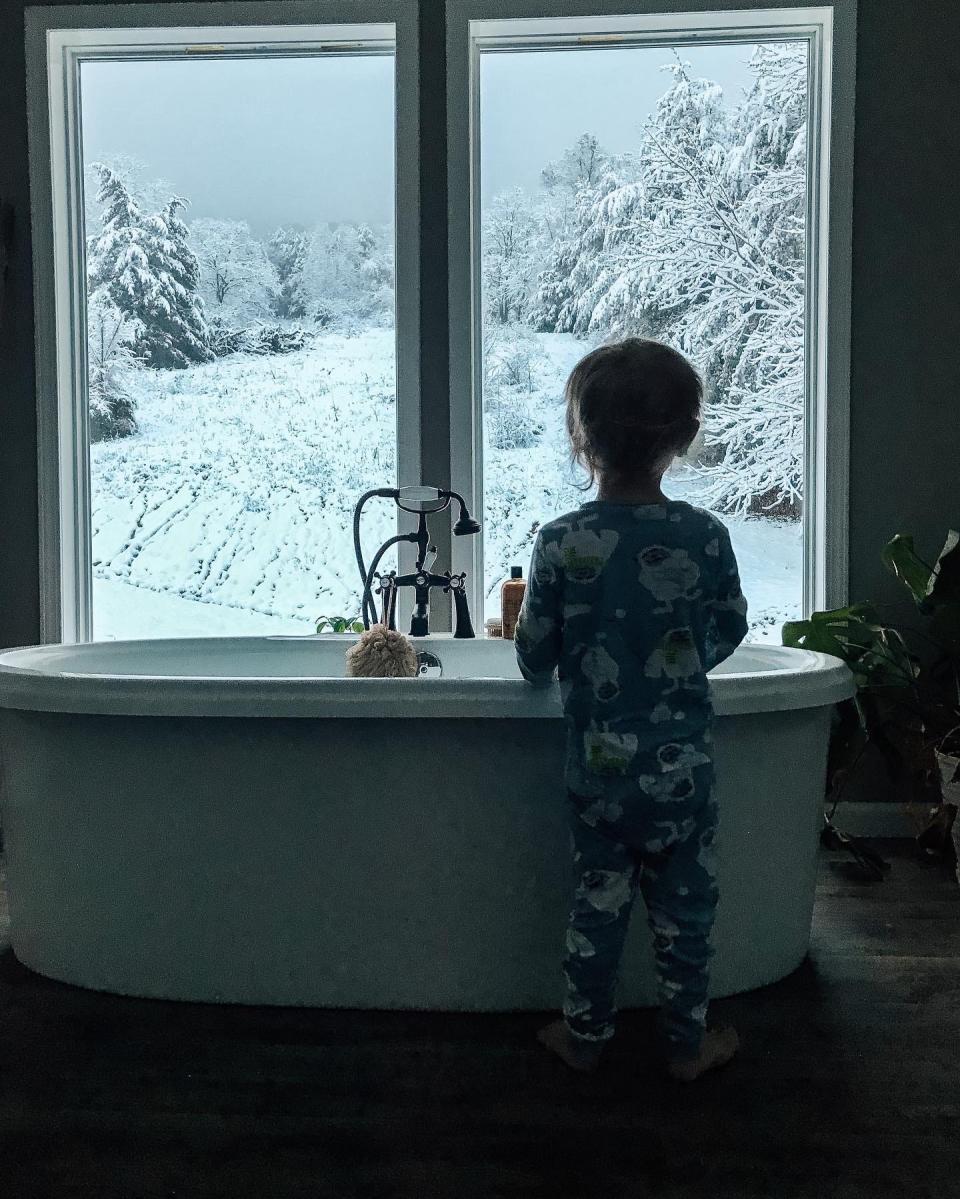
(465, 525)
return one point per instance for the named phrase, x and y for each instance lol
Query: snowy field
(234, 502)
(229, 512)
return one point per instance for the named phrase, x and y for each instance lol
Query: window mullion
(466, 444)
(435, 416)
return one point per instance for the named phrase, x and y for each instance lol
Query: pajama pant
(626, 840)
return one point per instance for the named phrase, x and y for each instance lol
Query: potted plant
(340, 624)
(936, 592)
(907, 705)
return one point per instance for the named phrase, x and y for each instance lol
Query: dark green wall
(905, 398)
(905, 394)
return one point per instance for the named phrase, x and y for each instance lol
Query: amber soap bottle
(511, 600)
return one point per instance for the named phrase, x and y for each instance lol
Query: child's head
(632, 407)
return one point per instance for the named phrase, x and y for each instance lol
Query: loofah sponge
(382, 653)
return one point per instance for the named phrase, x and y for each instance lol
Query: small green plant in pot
(340, 624)
(907, 705)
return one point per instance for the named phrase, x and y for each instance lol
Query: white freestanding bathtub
(231, 820)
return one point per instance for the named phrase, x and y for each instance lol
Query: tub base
(412, 864)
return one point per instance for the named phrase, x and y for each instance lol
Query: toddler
(635, 597)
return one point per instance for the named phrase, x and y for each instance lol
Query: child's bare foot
(578, 1054)
(717, 1048)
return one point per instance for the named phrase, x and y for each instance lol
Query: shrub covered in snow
(238, 282)
(111, 387)
(259, 337)
(512, 359)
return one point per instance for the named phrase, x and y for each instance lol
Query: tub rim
(806, 680)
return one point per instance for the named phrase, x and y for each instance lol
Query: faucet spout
(423, 581)
(463, 627)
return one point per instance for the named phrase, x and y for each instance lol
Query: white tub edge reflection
(303, 677)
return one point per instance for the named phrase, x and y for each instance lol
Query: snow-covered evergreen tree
(287, 251)
(147, 191)
(581, 166)
(150, 274)
(583, 266)
(726, 254)
(641, 228)
(758, 415)
(571, 185)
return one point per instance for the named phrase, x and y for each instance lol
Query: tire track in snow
(161, 528)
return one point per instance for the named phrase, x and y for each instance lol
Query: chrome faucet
(422, 579)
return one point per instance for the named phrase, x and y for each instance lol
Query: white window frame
(475, 25)
(58, 39)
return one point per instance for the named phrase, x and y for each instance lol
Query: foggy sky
(275, 141)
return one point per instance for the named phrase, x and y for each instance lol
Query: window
(220, 380)
(667, 180)
(223, 212)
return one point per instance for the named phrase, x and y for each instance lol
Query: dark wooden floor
(848, 1084)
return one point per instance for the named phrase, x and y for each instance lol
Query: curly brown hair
(632, 406)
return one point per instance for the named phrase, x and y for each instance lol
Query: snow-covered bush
(325, 314)
(512, 425)
(339, 316)
(111, 395)
(224, 338)
(265, 338)
(238, 282)
(259, 337)
(512, 357)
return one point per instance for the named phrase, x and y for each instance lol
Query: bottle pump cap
(516, 572)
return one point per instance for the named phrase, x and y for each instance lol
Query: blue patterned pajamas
(633, 604)
(672, 864)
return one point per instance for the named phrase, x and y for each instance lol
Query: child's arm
(539, 627)
(728, 610)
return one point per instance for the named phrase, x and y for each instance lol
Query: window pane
(242, 378)
(658, 192)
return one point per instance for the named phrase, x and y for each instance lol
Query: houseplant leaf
(900, 558)
(944, 587)
(856, 635)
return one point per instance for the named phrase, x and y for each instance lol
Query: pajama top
(633, 603)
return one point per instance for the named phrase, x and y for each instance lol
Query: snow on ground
(238, 491)
(145, 613)
(230, 511)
